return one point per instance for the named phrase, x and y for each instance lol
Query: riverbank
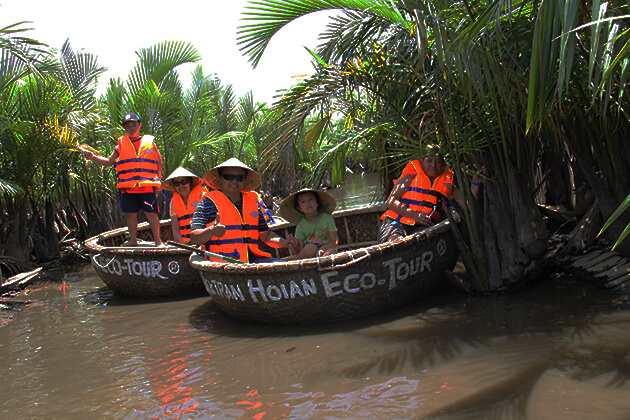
(23, 274)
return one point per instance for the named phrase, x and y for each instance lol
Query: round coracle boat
(364, 278)
(145, 270)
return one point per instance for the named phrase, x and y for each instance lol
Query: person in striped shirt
(232, 217)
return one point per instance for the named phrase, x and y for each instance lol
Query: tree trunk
(608, 204)
(514, 237)
(585, 232)
(40, 245)
(51, 235)
(18, 245)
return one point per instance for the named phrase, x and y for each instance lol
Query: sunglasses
(230, 177)
(182, 182)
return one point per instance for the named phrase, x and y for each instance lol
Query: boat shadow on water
(208, 317)
(105, 296)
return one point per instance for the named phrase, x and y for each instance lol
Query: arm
(201, 236)
(105, 161)
(201, 228)
(177, 236)
(393, 202)
(475, 188)
(159, 161)
(274, 240)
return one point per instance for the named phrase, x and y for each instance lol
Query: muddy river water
(557, 350)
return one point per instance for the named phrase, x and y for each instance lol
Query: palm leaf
(618, 212)
(267, 17)
(157, 64)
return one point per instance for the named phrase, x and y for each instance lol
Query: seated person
(231, 218)
(189, 191)
(420, 197)
(315, 232)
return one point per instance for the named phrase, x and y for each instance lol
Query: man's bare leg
(154, 224)
(132, 225)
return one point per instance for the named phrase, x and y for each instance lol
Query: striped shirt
(206, 212)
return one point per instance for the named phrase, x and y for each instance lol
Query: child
(315, 231)
(138, 165)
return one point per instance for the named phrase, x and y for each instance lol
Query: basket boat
(364, 278)
(143, 271)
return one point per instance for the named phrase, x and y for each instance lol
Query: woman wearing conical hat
(231, 218)
(188, 191)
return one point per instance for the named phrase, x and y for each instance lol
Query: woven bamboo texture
(353, 283)
(144, 271)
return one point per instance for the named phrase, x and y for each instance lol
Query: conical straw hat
(289, 211)
(252, 179)
(167, 184)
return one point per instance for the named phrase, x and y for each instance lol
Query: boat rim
(340, 260)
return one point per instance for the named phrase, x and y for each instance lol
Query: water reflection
(558, 350)
(358, 190)
(208, 317)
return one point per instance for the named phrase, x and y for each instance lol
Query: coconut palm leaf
(80, 72)
(266, 17)
(26, 50)
(158, 64)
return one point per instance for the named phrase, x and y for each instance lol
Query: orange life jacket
(421, 196)
(241, 232)
(184, 211)
(136, 169)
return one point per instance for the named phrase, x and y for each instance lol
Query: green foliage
(270, 16)
(49, 112)
(618, 212)
(495, 84)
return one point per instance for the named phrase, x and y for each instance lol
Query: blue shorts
(134, 202)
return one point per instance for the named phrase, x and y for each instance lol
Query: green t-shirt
(316, 233)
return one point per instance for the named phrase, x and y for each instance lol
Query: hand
(293, 244)
(87, 154)
(424, 220)
(478, 177)
(325, 251)
(218, 230)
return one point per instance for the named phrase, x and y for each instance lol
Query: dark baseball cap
(130, 117)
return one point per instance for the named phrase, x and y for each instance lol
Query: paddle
(203, 251)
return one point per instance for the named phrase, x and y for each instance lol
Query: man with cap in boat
(138, 165)
(420, 196)
(232, 217)
(188, 191)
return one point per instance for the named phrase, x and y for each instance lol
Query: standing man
(138, 165)
(232, 217)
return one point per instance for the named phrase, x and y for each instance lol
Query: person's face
(307, 203)
(181, 184)
(232, 179)
(132, 128)
(433, 166)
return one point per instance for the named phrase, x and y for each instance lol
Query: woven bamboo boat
(364, 278)
(143, 271)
